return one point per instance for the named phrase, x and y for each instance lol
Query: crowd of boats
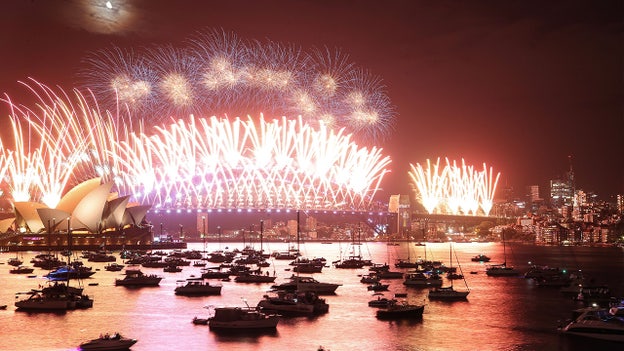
(301, 295)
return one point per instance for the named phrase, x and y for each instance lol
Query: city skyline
(519, 85)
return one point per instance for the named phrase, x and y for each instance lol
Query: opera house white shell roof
(90, 206)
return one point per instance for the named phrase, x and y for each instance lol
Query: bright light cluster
(218, 73)
(453, 189)
(196, 163)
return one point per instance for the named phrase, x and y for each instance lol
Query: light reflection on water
(500, 314)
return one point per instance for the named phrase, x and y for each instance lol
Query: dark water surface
(501, 313)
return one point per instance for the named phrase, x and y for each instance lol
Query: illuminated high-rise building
(562, 190)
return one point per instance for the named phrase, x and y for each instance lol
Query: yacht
(447, 293)
(21, 270)
(254, 278)
(422, 280)
(195, 287)
(293, 304)
(114, 267)
(400, 311)
(501, 270)
(134, 277)
(480, 258)
(108, 342)
(381, 302)
(305, 284)
(70, 272)
(241, 318)
(56, 297)
(598, 323)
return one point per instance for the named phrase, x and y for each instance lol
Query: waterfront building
(90, 212)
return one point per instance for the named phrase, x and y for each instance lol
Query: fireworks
(193, 163)
(454, 189)
(218, 73)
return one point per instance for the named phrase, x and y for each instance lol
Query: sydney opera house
(94, 215)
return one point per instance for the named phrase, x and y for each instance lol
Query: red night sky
(520, 85)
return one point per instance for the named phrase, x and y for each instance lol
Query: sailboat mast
(298, 230)
(261, 234)
(451, 259)
(504, 249)
(69, 246)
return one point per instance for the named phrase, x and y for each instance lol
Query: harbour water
(501, 313)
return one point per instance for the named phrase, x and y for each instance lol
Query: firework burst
(453, 189)
(218, 73)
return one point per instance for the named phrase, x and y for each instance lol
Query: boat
(293, 304)
(305, 265)
(538, 272)
(254, 278)
(370, 279)
(381, 302)
(449, 292)
(305, 284)
(419, 279)
(108, 343)
(214, 274)
(406, 263)
(402, 310)
(480, 258)
(15, 261)
(241, 318)
(101, 256)
(598, 323)
(172, 269)
(47, 261)
(114, 267)
(21, 270)
(56, 297)
(501, 269)
(200, 321)
(353, 261)
(70, 272)
(134, 277)
(195, 287)
(378, 287)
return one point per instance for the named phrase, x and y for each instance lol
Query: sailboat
(401, 263)
(353, 260)
(448, 292)
(501, 269)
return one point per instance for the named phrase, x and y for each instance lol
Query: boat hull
(107, 344)
(44, 305)
(269, 323)
(401, 312)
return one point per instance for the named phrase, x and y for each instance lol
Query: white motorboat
(598, 323)
(108, 343)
